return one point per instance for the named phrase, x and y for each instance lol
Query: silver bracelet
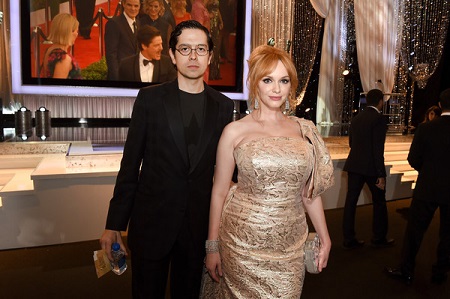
(212, 246)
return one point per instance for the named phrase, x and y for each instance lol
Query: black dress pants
(149, 276)
(380, 217)
(420, 215)
(85, 14)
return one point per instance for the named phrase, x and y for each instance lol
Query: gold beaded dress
(263, 226)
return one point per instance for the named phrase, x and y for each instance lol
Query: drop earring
(286, 104)
(256, 106)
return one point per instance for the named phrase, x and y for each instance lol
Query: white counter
(53, 198)
(48, 196)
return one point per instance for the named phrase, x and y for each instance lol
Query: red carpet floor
(87, 51)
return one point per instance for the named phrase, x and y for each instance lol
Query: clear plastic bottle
(119, 265)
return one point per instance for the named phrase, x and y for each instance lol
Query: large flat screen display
(30, 23)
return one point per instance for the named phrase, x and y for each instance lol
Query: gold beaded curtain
(424, 32)
(307, 25)
(271, 19)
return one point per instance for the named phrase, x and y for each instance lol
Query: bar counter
(56, 192)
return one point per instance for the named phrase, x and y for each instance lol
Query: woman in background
(179, 11)
(432, 112)
(200, 13)
(153, 11)
(58, 63)
(258, 228)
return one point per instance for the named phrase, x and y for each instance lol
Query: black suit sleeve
(415, 155)
(128, 177)
(112, 48)
(379, 137)
(129, 69)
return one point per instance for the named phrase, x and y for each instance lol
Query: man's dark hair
(189, 24)
(444, 99)
(373, 97)
(146, 34)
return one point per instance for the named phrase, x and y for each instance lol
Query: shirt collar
(141, 60)
(375, 108)
(130, 20)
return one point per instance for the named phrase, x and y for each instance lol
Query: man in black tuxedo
(149, 65)
(163, 188)
(429, 155)
(365, 165)
(120, 37)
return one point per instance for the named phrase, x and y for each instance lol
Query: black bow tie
(146, 61)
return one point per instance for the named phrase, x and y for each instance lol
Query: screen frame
(89, 88)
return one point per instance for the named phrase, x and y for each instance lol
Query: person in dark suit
(85, 13)
(168, 15)
(149, 65)
(429, 156)
(120, 37)
(163, 187)
(365, 165)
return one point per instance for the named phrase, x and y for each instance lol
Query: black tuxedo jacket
(163, 69)
(120, 42)
(157, 186)
(430, 156)
(366, 137)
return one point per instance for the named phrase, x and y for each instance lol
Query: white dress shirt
(145, 70)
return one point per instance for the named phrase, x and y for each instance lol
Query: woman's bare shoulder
(237, 130)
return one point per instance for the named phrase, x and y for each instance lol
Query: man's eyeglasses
(200, 50)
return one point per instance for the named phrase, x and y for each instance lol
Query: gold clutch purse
(312, 246)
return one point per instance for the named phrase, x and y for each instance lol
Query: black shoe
(353, 244)
(399, 275)
(382, 243)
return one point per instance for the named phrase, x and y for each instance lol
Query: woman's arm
(63, 67)
(222, 179)
(315, 211)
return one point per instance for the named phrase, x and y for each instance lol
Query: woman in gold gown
(258, 227)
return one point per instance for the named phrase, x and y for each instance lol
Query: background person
(149, 65)
(216, 26)
(429, 156)
(120, 37)
(365, 165)
(432, 113)
(260, 223)
(179, 11)
(228, 12)
(163, 187)
(153, 12)
(58, 63)
(85, 15)
(200, 13)
(168, 15)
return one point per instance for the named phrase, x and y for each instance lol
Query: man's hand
(381, 183)
(108, 238)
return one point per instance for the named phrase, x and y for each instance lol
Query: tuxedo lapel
(156, 71)
(136, 69)
(209, 125)
(175, 119)
(128, 30)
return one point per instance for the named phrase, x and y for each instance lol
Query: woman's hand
(214, 265)
(324, 253)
